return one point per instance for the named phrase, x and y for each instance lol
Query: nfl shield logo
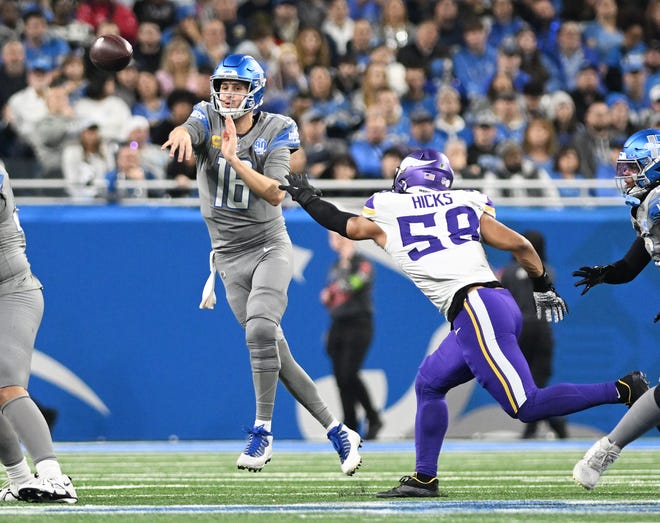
(260, 146)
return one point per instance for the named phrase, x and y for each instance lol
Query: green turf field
(514, 483)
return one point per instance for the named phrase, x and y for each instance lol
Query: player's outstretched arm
(326, 214)
(179, 141)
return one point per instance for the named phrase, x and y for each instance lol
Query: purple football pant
(484, 345)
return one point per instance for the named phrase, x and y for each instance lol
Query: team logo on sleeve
(216, 141)
(260, 145)
(200, 115)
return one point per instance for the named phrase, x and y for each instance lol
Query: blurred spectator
(213, 46)
(347, 78)
(39, 46)
(509, 60)
(538, 66)
(474, 63)
(311, 12)
(540, 143)
(546, 23)
(587, 90)
(606, 170)
(340, 119)
(54, 131)
(391, 159)
(338, 25)
(261, 45)
(25, 108)
(632, 28)
(11, 25)
(342, 167)
(423, 133)
(651, 117)
(152, 158)
(532, 96)
(482, 155)
(150, 102)
(518, 170)
(148, 50)
(94, 12)
(368, 9)
(373, 79)
(395, 29)
(505, 24)
(500, 84)
(634, 82)
(313, 48)
(621, 117)
(284, 81)
(445, 16)
(362, 42)
(449, 121)
(593, 142)
(13, 70)
(602, 33)
(652, 19)
(178, 69)
(512, 121)
(72, 75)
(398, 123)
(102, 105)
(456, 151)
(318, 148)
(395, 70)
(126, 83)
(424, 48)
(65, 26)
(128, 168)
(560, 108)
(416, 95)
(368, 147)
(180, 103)
(566, 166)
(227, 12)
(285, 20)
(160, 12)
(85, 161)
(652, 62)
(571, 54)
(183, 173)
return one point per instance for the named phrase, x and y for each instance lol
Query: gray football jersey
(15, 274)
(237, 218)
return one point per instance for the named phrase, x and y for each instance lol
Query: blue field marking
(391, 507)
(648, 443)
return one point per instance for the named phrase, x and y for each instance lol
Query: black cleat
(631, 387)
(411, 487)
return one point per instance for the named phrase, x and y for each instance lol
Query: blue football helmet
(638, 165)
(423, 170)
(243, 68)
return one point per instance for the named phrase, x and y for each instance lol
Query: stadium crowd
(510, 89)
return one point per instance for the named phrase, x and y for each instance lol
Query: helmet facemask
(238, 68)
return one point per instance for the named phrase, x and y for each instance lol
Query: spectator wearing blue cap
(39, 45)
(634, 81)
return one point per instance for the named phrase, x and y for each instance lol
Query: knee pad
(261, 337)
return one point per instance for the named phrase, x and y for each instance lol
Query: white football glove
(550, 306)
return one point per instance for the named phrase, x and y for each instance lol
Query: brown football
(110, 53)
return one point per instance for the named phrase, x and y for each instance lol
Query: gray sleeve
(278, 164)
(197, 132)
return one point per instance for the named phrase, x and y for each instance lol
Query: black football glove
(549, 305)
(300, 189)
(591, 276)
(655, 320)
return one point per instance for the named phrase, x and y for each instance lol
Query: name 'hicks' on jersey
(237, 218)
(435, 238)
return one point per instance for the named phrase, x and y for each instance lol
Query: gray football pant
(256, 284)
(643, 415)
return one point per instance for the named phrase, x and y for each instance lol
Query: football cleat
(49, 490)
(601, 455)
(412, 487)
(258, 450)
(9, 492)
(346, 442)
(631, 387)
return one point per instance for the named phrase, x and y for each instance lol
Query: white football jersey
(435, 238)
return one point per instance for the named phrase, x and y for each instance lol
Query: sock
(424, 478)
(334, 423)
(266, 424)
(30, 426)
(19, 473)
(48, 468)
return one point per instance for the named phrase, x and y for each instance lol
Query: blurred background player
(536, 339)
(435, 235)
(347, 296)
(240, 202)
(21, 422)
(638, 178)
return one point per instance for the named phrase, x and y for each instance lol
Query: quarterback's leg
(642, 417)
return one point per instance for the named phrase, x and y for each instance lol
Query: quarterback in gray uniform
(21, 309)
(242, 157)
(638, 178)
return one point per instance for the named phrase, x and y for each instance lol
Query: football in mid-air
(110, 53)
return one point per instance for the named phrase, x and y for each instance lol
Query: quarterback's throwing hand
(591, 276)
(300, 189)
